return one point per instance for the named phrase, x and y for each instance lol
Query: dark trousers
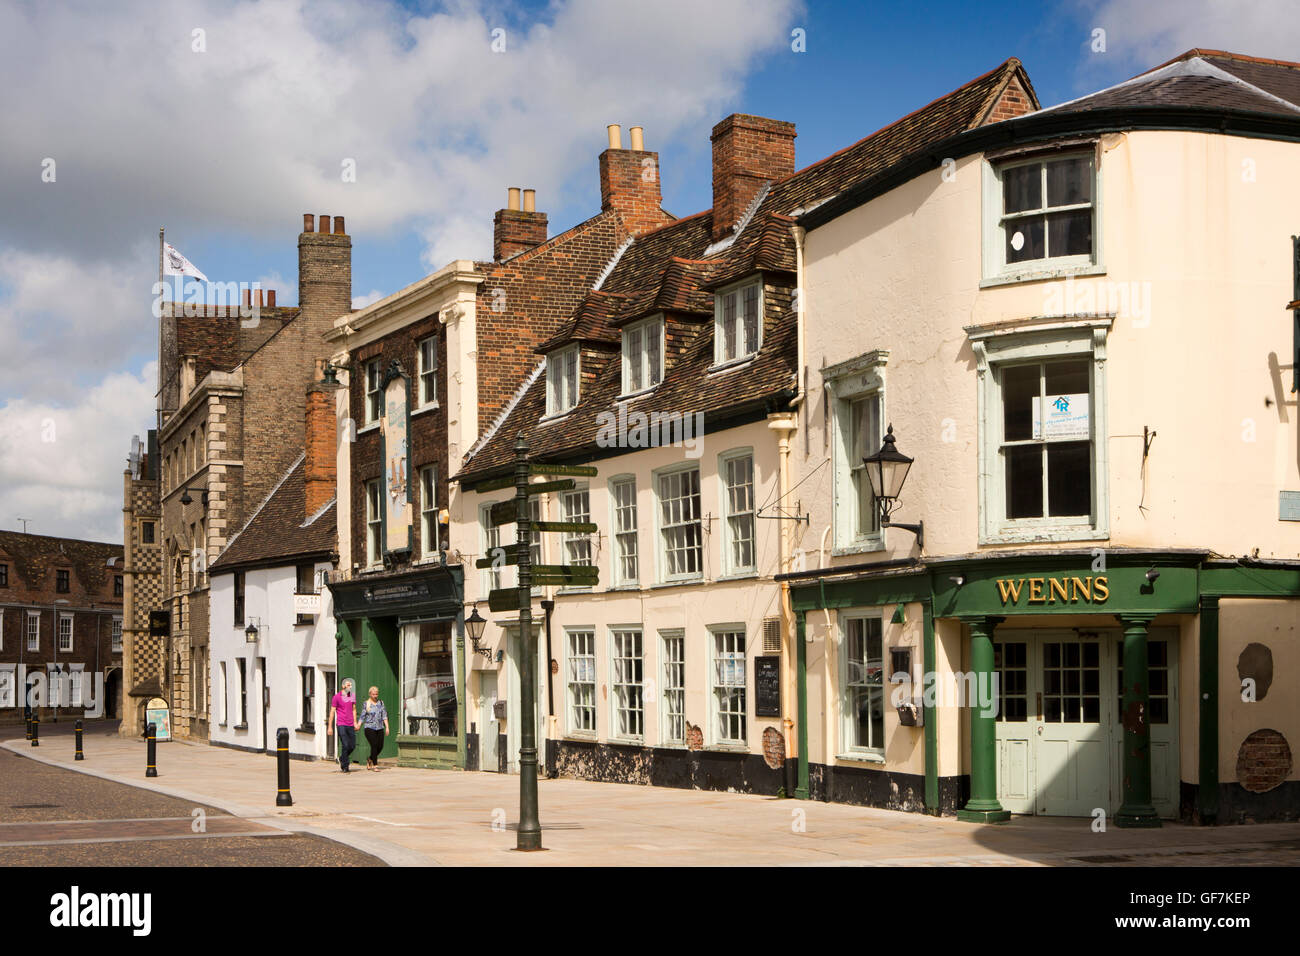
(376, 740)
(347, 744)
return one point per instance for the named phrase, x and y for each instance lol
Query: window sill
(222, 725)
(373, 426)
(630, 586)
(751, 575)
(639, 393)
(556, 416)
(676, 584)
(863, 757)
(628, 741)
(240, 727)
(584, 736)
(861, 546)
(306, 729)
(1044, 534)
(1042, 274)
(425, 408)
(728, 748)
(732, 364)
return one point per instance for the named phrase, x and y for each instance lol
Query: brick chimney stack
(324, 272)
(515, 230)
(319, 466)
(629, 183)
(747, 152)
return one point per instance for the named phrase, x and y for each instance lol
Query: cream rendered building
(1075, 323)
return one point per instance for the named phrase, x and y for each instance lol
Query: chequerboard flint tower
(231, 402)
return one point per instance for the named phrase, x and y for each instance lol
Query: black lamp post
(474, 625)
(888, 469)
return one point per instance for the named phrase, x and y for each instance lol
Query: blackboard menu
(767, 687)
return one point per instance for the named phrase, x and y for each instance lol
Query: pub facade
(1053, 565)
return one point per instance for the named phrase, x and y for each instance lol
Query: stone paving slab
(407, 816)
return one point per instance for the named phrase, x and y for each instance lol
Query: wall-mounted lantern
(474, 625)
(888, 469)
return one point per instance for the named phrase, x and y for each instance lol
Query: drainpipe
(783, 424)
(548, 607)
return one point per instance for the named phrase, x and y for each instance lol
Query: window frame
(569, 543)
(152, 524)
(374, 523)
(861, 378)
(307, 699)
(33, 646)
(667, 737)
(490, 579)
(996, 270)
(426, 391)
(716, 738)
(635, 700)
(729, 566)
(848, 750)
(570, 673)
(4, 574)
(238, 597)
(661, 551)
(556, 378)
(115, 634)
(63, 580)
(429, 543)
(642, 359)
(119, 586)
(242, 667)
(72, 640)
(618, 537)
(1042, 342)
(720, 297)
(225, 694)
(373, 401)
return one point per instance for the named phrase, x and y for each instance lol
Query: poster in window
(1065, 416)
(396, 480)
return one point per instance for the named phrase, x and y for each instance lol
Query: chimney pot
(512, 197)
(638, 143)
(530, 200)
(270, 298)
(324, 227)
(308, 222)
(615, 136)
(338, 226)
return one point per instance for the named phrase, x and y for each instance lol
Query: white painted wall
(286, 646)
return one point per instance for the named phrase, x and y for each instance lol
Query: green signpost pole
(530, 829)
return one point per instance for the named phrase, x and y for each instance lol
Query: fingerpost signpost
(508, 599)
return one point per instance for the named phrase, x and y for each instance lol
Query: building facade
(60, 628)
(144, 652)
(1068, 321)
(230, 407)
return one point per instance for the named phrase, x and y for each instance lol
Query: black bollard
(80, 755)
(36, 730)
(27, 716)
(282, 797)
(151, 733)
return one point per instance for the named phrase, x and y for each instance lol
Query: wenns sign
(1063, 590)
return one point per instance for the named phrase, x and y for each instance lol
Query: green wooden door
(368, 654)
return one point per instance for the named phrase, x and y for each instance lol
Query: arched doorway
(113, 694)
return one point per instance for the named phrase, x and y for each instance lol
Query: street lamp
(887, 470)
(186, 499)
(250, 632)
(474, 625)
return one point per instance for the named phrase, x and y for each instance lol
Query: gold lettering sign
(1054, 590)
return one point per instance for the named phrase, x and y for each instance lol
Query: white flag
(175, 264)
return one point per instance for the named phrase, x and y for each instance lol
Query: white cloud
(361, 301)
(1143, 35)
(62, 465)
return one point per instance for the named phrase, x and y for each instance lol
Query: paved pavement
(50, 816)
(423, 817)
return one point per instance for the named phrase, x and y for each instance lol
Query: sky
(225, 122)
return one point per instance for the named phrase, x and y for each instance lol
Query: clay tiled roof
(34, 556)
(674, 270)
(279, 529)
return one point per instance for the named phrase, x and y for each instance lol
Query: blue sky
(226, 121)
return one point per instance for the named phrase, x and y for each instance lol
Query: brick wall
(747, 152)
(514, 231)
(1013, 102)
(629, 186)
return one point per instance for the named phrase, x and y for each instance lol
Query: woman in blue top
(374, 717)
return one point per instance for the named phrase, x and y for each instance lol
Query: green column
(1207, 794)
(801, 682)
(928, 698)
(983, 806)
(1136, 810)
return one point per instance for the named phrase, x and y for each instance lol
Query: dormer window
(561, 380)
(643, 355)
(738, 324)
